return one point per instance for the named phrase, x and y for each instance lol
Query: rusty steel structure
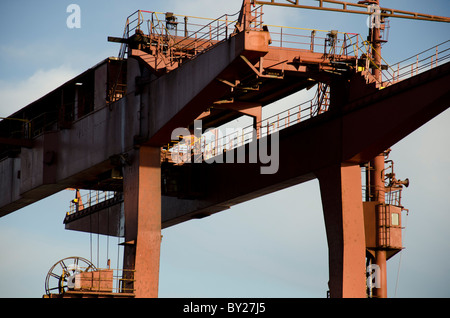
(172, 71)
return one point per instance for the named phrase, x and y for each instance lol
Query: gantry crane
(236, 79)
(377, 165)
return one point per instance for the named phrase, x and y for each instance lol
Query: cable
(98, 239)
(90, 230)
(401, 254)
(107, 237)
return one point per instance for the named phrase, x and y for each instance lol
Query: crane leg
(341, 194)
(142, 205)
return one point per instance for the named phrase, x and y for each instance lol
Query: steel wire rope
(98, 237)
(90, 229)
(107, 236)
(433, 47)
(400, 259)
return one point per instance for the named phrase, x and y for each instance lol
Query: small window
(395, 219)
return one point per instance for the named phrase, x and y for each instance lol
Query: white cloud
(18, 94)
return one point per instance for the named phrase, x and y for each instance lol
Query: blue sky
(274, 246)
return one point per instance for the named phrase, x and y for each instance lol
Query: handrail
(89, 199)
(392, 195)
(245, 135)
(378, 67)
(441, 53)
(206, 26)
(217, 30)
(312, 36)
(104, 280)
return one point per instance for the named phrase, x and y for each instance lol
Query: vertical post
(417, 64)
(139, 20)
(281, 37)
(398, 72)
(142, 207)
(226, 26)
(218, 30)
(377, 184)
(436, 56)
(258, 126)
(376, 53)
(261, 17)
(344, 45)
(341, 193)
(216, 142)
(377, 177)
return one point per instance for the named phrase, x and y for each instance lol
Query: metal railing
(191, 34)
(181, 32)
(416, 64)
(391, 197)
(89, 199)
(105, 281)
(211, 144)
(314, 40)
(123, 281)
(392, 194)
(198, 39)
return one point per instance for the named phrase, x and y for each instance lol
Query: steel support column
(380, 260)
(341, 193)
(378, 162)
(378, 188)
(142, 205)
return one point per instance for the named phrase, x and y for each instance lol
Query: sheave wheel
(60, 275)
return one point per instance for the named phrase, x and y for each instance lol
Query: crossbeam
(358, 8)
(27, 143)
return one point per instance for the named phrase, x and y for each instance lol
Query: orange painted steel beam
(142, 208)
(378, 186)
(178, 100)
(414, 102)
(398, 109)
(217, 87)
(340, 188)
(27, 143)
(356, 8)
(329, 139)
(324, 149)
